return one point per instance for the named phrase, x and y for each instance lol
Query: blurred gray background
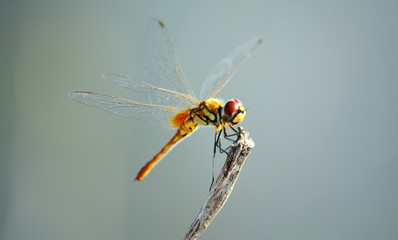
(321, 93)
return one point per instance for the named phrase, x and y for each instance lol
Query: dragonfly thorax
(213, 112)
(208, 112)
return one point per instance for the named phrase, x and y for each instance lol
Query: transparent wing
(167, 97)
(224, 70)
(157, 114)
(161, 65)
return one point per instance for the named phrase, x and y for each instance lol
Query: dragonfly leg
(228, 136)
(217, 144)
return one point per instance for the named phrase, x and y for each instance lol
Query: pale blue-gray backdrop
(321, 94)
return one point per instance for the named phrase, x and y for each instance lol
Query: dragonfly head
(233, 112)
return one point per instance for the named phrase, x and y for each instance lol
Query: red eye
(231, 107)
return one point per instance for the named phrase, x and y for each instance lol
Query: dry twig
(223, 186)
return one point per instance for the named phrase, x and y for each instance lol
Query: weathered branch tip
(223, 186)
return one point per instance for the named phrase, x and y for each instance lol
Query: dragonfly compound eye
(234, 112)
(231, 107)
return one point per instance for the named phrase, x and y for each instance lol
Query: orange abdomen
(186, 128)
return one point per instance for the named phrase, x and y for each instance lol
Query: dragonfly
(172, 102)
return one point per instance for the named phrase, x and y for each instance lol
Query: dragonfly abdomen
(186, 128)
